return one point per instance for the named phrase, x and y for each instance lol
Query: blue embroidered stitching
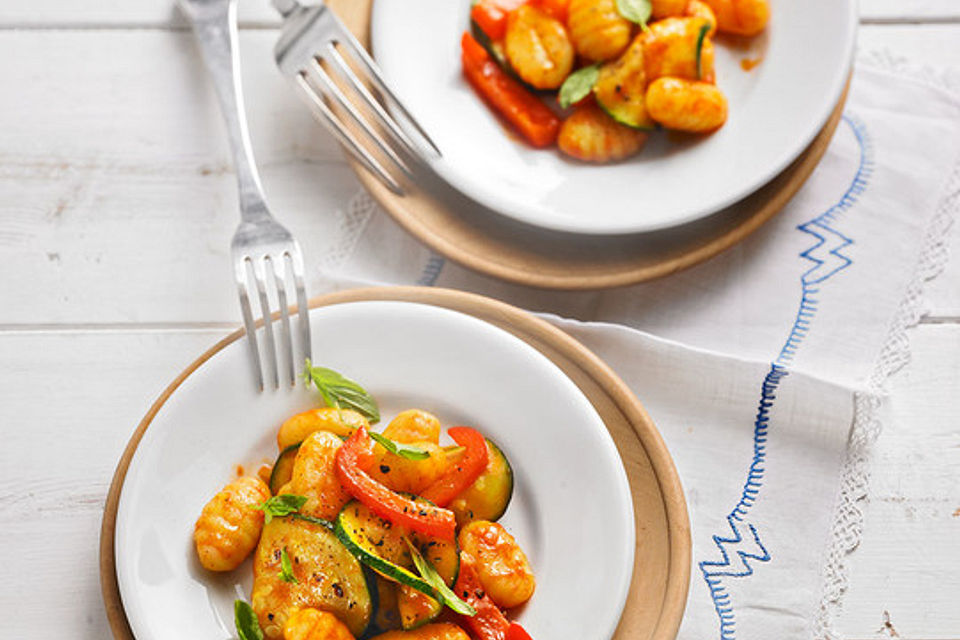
(823, 268)
(432, 270)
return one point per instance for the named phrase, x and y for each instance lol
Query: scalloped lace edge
(847, 528)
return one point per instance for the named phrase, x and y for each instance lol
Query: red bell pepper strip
(489, 623)
(533, 119)
(354, 458)
(471, 465)
(516, 632)
(556, 9)
(491, 18)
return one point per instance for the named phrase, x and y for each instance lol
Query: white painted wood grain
(937, 46)
(68, 404)
(259, 13)
(907, 564)
(119, 14)
(118, 203)
(69, 401)
(910, 11)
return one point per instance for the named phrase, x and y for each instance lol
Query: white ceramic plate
(775, 111)
(571, 510)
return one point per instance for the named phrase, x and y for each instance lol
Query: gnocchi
(502, 566)
(591, 135)
(597, 29)
(685, 105)
(603, 114)
(229, 525)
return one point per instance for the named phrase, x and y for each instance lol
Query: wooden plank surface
(70, 399)
(260, 14)
(906, 566)
(145, 181)
(97, 194)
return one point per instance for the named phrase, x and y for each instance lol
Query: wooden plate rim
(526, 267)
(523, 325)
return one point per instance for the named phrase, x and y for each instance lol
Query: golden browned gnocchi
(741, 17)
(538, 48)
(502, 566)
(597, 29)
(700, 9)
(229, 525)
(667, 8)
(590, 135)
(342, 422)
(409, 476)
(414, 425)
(686, 105)
(437, 631)
(314, 476)
(670, 49)
(312, 624)
(620, 50)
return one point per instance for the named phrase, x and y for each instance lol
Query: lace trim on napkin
(847, 527)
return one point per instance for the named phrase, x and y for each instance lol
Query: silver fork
(314, 51)
(264, 253)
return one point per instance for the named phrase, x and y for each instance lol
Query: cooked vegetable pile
(356, 534)
(621, 68)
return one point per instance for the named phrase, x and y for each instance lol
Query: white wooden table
(116, 209)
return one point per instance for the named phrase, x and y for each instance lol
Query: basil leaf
(701, 38)
(636, 11)
(312, 520)
(578, 85)
(286, 568)
(431, 577)
(282, 505)
(407, 451)
(341, 392)
(248, 627)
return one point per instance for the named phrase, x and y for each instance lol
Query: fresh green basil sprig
(636, 11)
(248, 627)
(341, 392)
(578, 85)
(407, 451)
(431, 577)
(286, 567)
(281, 505)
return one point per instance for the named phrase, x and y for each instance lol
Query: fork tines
(269, 274)
(346, 92)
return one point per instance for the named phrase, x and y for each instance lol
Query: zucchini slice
(381, 546)
(327, 577)
(621, 88)
(488, 497)
(378, 544)
(283, 468)
(416, 608)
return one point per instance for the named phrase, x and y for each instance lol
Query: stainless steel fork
(265, 255)
(346, 91)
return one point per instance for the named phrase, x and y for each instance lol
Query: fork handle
(215, 26)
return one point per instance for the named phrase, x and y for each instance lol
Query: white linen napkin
(763, 368)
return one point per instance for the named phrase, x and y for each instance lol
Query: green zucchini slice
(327, 576)
(488, 497)
(378, 544)
(283, 468)
(621, 89)
(381, 546)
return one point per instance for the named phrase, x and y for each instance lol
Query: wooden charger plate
(475, 237)
(658, 591)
